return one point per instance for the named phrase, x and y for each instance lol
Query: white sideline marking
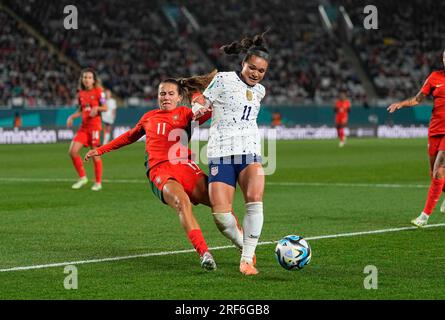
(302, 184)
(340, 235)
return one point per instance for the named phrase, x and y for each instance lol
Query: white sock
(227, 225)
(252, 225)
(424, 216)
(106, 138)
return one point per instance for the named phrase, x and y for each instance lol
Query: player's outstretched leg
(435, 190)
(174, 195)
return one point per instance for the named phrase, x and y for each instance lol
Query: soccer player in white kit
(109, 116)
(234, 147)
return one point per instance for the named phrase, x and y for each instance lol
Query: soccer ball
(293, 252)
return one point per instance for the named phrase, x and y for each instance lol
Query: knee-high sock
(434, 193)
(197, 239)
(98, 170)
(106, 137)
(227, 224)
(341, 133)
(252, 225)
(78, 165)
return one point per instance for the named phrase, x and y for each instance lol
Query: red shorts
(187, 174)
(341, 120)
(89, 138)
(436, 144)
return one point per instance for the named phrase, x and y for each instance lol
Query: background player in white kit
(109, 116)
(234, 147)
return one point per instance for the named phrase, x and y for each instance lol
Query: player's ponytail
(188, 86)
(255, 46)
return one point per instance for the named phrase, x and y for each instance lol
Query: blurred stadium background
(318, 189)
(319, 48)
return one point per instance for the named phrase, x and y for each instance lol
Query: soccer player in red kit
(174, 178)
(91, 102)
(434, 86)
(342, 109)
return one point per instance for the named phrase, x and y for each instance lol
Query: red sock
(433, 195)
(341, 133)
(197, 239)
(78, 165)
(98, 170)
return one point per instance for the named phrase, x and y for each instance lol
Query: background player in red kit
(91, 101)
(174, 177)
(435, 86)
(342, 109)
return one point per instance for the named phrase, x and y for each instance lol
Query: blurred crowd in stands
(133, 45)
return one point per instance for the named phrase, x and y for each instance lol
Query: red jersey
(342, 107)
(162, 142)
(89, 99)
(435, 86)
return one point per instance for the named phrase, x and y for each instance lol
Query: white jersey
(235, 108)
(107, 116)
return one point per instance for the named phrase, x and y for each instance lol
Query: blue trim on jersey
(227, 169)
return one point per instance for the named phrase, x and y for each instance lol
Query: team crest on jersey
(175, 117)
(249, 95)
(214, 170)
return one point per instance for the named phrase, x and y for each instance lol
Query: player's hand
(91, 154)
(200, 112)
(94, 111)
(69, 122)
(394, 107)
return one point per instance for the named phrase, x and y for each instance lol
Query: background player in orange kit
(174, 178)
(342, 108)
(91, 102)
(435, 86)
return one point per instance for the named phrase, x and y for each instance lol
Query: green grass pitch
(317, 189)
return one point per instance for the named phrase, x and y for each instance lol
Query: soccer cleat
(419, 221)
(207, 262)
(80, 183)
(96, 187)
(247, 269)
(253, 259)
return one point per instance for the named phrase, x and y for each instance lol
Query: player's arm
(77, 114)
(201, 106)
(101, 108)
(124, 139)
(414, 101)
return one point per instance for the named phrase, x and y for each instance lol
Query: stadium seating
(404, 49)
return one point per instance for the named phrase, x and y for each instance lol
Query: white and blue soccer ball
(293, 252)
